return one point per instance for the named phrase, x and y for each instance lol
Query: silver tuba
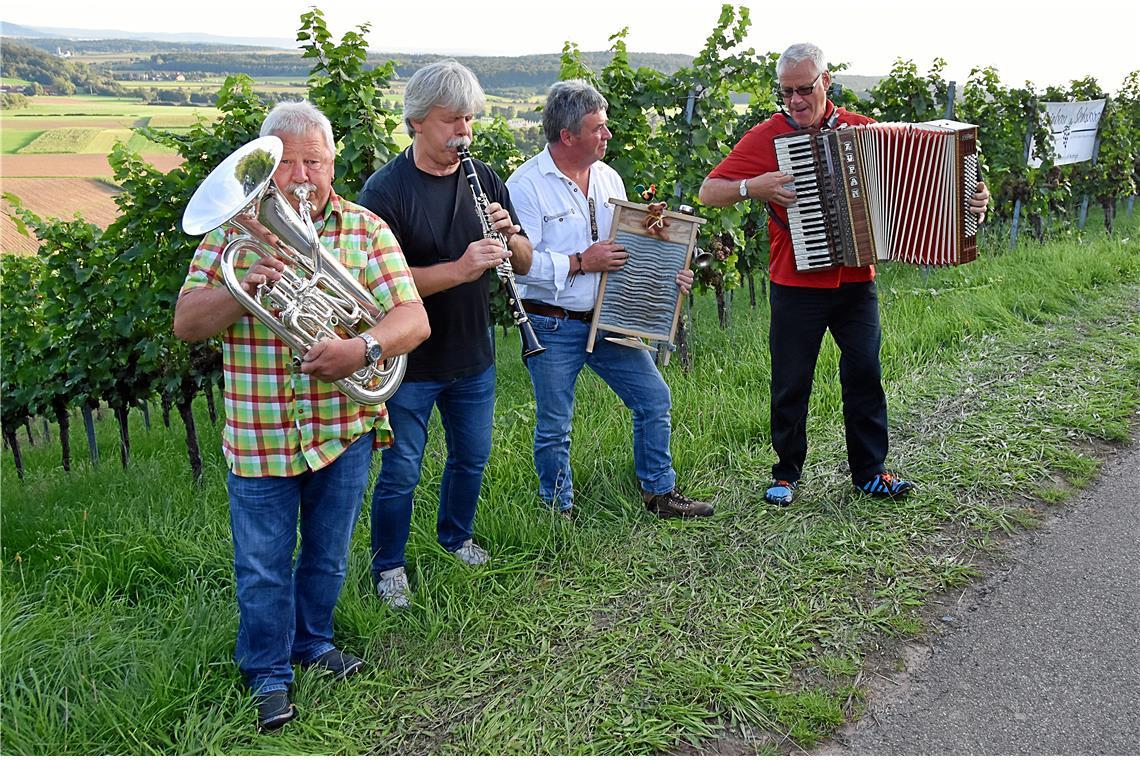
(316, 297)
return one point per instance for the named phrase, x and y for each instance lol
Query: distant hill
(860, 84)
(189, 53)
(8, 29)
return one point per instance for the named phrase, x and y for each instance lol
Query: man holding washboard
(561, 197)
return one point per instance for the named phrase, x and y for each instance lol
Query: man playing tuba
(295, 445)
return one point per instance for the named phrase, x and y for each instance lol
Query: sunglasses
(803, 92)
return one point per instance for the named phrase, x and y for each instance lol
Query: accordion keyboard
(807, 219)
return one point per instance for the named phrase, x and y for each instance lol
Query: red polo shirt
(756, 154)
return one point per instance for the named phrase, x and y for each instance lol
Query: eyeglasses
(803, 92)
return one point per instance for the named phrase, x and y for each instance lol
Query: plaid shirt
(279, 421)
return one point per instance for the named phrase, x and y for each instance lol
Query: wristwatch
(743, 188)
(372, 351)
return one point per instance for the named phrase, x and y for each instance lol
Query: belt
(557, 312)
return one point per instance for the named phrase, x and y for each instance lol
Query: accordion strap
(776, 217)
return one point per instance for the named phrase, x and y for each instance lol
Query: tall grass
(62, 140)
(618, 633)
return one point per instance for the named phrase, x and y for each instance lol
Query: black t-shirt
(435, 219)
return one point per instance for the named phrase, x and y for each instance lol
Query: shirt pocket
(355, 262)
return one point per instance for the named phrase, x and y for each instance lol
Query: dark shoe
(675, 504)
(886, 486)
(336, 664)
(274, 710)
(781, 492)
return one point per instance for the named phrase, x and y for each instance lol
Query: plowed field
(70, 165)
(63, 198)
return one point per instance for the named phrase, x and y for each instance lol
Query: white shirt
(556, 217)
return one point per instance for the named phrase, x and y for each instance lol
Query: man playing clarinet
(426, 199)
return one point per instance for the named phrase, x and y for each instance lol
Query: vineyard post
(1085, 195)
(1017, 201)
(89, 424)
(682, 346)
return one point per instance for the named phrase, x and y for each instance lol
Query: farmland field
(55, 155)
(92, 199)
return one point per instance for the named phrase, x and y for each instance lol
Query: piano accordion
(885, 191)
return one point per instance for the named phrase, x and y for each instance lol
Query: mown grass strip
(619, 633)
(62, 140)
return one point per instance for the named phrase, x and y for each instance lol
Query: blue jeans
(800, 316)
(631, 374)
(466, 408)
(285, 608)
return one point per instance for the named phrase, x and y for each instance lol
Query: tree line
(48, 72)
(88, 319)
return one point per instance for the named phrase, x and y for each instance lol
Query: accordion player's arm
(770, 187)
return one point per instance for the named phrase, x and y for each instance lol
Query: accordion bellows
(885, 191)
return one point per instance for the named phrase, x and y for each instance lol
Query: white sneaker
(471, 553)
(393, 588)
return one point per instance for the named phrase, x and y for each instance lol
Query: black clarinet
(506, 273)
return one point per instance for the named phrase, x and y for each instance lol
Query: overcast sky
(1046, 41)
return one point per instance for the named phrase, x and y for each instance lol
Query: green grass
(618, 634)
(12, 140)
(106, 140)
(98, 105)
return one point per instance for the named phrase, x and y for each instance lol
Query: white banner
(1074, 128)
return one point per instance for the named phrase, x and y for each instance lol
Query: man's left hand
(980, 202)
(332, 360)
(501, 221)
(685, 280)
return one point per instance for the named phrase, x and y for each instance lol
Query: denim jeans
(800, 316)
(466, 408)
(285, 608)
(631, 374)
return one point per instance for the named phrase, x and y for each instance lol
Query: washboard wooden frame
(641, 300)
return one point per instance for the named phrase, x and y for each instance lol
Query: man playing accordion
(806, 304)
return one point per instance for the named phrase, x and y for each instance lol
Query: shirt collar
(335, 207)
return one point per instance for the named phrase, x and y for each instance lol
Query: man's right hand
(480, 256)
(604, 256)
(266, 271)
(770, 188)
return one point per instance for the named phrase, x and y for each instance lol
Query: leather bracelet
(578, 255)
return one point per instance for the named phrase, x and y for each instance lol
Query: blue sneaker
(781, 492)
(886, 486)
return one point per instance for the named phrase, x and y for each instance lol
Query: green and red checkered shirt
(279, 421)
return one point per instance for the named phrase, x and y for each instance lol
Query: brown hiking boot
(675, 504)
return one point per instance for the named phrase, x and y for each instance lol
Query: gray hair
(567, 103)
(446, 83)
(297, 118)
(798, 53)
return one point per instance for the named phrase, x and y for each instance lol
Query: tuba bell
(316, 297)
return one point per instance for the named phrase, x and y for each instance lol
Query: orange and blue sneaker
(781, 492)
(886, 486)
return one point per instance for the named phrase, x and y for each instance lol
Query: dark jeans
(467, 409)
(800, 316)
(285, 605)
